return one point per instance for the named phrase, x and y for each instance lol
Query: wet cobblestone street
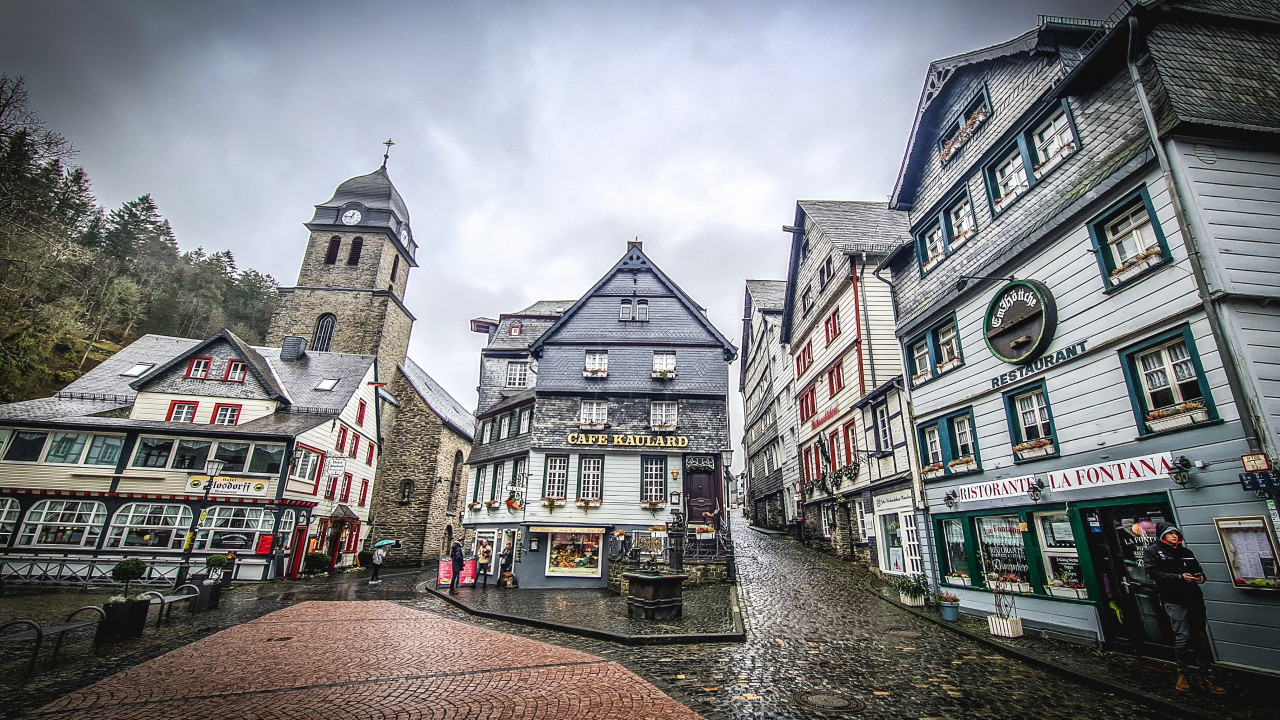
(819, 644)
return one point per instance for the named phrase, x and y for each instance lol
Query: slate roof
(301, 376)
(768, 294)
(375, 191)
(280, 424)
(57, 408)
(546, 308)
(105, 379)
(534, 321)
(853, 223)
(439, 400)
(257, 364)
(522, 396)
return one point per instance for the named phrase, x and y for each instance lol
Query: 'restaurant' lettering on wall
(1039, 365)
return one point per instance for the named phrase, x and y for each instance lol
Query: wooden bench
(166, 602)
(39, 633)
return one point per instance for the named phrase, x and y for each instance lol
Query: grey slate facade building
(766, 382)
(1088, 321)
(614, 400)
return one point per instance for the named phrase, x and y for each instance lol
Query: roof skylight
(138, 370)
(327, 384)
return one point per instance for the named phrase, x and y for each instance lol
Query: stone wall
(700, 572)
(373, 271)
(421, 450)
(369, 323)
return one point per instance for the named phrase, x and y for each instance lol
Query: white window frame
(642, 311)
(1168, 367)
(226, 415)
(590, 477)
(963, 429)
(932, 445)
(911, 542)
(199, 369)
(596, 360)
(1052, 142)
(663, 412)
(526, 421)
(254, 521)
(183, 412)
(236, 371)
(517, 374)
(10, 509)
(1133, 227)
(664, 360)
(624, 310)
(557, 480)
(594, 412)
(884, 432)
(1033, 415)
(653, 479)
(306, 468)
(1011, 178)
(961, 217)
(172, 517)
(934, 246)
(948, 343)
(88, 516)
(504, 427)
(922, 358)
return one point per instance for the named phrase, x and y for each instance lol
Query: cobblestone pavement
(817, 637)
(359, 660)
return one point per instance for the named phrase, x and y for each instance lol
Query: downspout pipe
(857, 320)
(904, 392)
(1230, 362)
(866, 322)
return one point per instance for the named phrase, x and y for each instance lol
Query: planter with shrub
(124, 616)
(316, 562)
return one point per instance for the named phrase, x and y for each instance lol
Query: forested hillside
(77, 281)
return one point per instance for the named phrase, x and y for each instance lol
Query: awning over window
(567, 529)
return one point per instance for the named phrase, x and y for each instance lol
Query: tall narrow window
(835, 379)
(456, 483)
(883, 434)
(353, 257)
(1033, 415)
(557, 481)
(1053, 142)
(517, 373)
(963, 430)
(395, 267)
(624, 310)
(961, 218)
(932, 446)
(324, 332)
(662, 414)
(590, 475)
(1130, 235)
(653, 475)
(335, 246)
(1010, 177)
(642, 310)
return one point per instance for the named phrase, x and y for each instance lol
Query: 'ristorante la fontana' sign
(627, 440)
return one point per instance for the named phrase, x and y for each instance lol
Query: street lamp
(212, 468)
(1035, 489)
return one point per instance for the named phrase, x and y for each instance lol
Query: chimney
(635, 245)
(293, 347)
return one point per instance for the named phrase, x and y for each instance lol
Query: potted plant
(949, 606)
(316, 562)
(958, 578)
(1187, 413)
(963, 465)
(215, 566)
(912, 589)
(125, 616)
(704, 530)
(921, 376)
(493, 504)
(931, 470)
(1137, 265)
(949, 363)
(658, 531)
(1068, 586)
(1039, 447)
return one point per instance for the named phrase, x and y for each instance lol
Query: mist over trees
(78, 281)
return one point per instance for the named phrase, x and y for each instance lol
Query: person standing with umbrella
(379, 554)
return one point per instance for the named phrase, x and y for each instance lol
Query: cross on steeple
(387, 155)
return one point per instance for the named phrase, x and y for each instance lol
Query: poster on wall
(895, 560)
(1251, 552)
(444, 575)
(573, 554)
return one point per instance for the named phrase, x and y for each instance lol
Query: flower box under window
(961, 580)
(963, 465)
(933, 261)
(550, 502)
(586, 503)
(663, 374)
(1136, 266)
(950, 363)
(1067, 592)
(932, 471)
(921, 377)
(1034, 449)
(1009, 587)
(1184, 415)
(663, 427)
(475, 506)
(652, 505)
(493, 504)
(595, 372)
(591, 426)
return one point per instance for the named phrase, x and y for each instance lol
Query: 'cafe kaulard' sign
(1021, 321)
(654, 441)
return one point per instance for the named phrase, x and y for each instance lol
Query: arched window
(395, 267)
(9, 511)
(67, 523)
(406, 492)
(455, 484)
(331, 257)
(353, 257)
(642, 310)
(624, 310)
(232, 527)
(516, 329)
(161, 526)
(324, 332)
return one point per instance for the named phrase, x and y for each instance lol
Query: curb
(1095, 681)
(738, 634)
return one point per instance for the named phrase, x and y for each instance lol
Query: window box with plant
(662, 374)
(957, 578)
(658, 531)
(1137, 266)
(923, 375)
(962, 465)
(1042, 146)
(912, 589)
(475, 506)
(587, 503)
(932, 470)
(652, 505)
(1170, 418)
(1041, 447)
(1067, 586)
(552, 502)
(663, 427)
(492, 504)
(1128, 241)
(1008, 582)
(947, 364)
(969, 124)
(595, 372)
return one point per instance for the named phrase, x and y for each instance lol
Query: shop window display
(892, 534)
(575, 554)
(1061, 560)
(1001, 552)
(956, 556)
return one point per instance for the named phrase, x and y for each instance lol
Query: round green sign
(1021, 321)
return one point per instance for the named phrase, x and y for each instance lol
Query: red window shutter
(360, 413)
(342, 438)
(332, 489)
(364, 492)
(368, 458)
(849, 434)
(346, 487)
(355, 445)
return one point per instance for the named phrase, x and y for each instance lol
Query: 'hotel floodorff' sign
(654, 441)
(229, 486)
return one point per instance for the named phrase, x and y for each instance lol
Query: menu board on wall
(1251, 553)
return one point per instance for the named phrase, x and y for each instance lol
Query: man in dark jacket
(1178, 577)
(459, 560)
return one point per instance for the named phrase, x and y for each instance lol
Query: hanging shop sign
(1135, 469)
(992, 489)
(627, 440)
(1021, 321)
(228, 486)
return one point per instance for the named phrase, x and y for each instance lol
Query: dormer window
(962, 127)
(516, 329)
(624, 310)
(642, 310)
(138, 370)
(199, 368)
(235, 371)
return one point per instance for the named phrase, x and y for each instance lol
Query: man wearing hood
(1178, 577)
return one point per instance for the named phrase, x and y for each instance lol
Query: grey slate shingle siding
(1223, 75)
(704, 422)
(105, 379)
(767, 294)
(698, 370)
(439, 400)
(174, 380)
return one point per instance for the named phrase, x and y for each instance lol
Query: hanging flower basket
(1188, 413)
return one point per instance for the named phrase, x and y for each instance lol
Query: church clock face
(1021, 321)
(351, 217)
(404, 235)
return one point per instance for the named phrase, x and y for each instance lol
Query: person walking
(1178, 577)
(484, 556)
(379, 554)
(455, 554)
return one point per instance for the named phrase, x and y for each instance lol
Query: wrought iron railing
(646, 547)
(72, 570)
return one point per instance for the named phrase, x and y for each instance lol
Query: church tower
(350, 292)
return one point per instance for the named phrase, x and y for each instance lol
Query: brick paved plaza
(368, 659)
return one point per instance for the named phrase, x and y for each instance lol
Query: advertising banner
(444, 576)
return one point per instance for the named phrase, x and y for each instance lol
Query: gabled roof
(439, 400)
(632, 260)
(511, 401)
(258, 367)
(534, 321)
(767, 295)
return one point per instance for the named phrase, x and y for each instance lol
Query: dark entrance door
(700, 488)
(1132, 618)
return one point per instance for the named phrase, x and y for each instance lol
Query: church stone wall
(373, 271)
(369, 323)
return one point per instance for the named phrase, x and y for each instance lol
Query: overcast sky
(533, 139)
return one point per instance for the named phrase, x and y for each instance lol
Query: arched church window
(324, 332)
(395, 267)
(406, 492)
(353, 257)
(455, 483)
(331, 257)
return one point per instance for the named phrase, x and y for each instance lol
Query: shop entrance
(1132, 617)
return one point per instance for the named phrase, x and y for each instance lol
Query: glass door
(1132, 617)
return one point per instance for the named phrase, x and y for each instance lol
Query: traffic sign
(1269, 480)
